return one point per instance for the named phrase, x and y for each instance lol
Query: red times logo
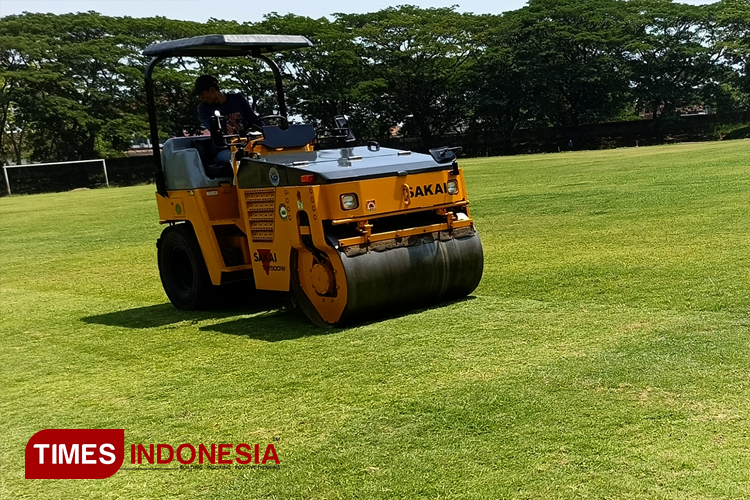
(75, 453)
(99, 453)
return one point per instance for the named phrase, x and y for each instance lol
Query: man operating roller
(234, 107)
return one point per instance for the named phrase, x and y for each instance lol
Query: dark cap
(205, 82)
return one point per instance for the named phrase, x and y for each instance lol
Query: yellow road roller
(352, 231)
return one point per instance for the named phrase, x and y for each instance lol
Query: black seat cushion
(218, 170)
(207, 153)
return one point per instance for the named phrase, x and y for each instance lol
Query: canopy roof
(226, 45)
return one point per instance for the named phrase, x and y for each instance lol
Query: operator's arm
(205, 116)
(248, 114)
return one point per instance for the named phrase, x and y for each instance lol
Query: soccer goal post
(6, 167)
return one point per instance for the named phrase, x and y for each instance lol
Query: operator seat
(184, 161)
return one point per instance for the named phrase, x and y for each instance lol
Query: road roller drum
(422, 274)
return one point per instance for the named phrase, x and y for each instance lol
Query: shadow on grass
(273, 319)
(146, 317)
(288, 324)
(166, 314)
(273, 326)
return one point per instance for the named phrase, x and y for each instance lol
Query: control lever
(218, 129)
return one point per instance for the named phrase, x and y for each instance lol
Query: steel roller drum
(407, 277)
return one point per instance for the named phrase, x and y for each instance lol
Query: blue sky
(246, 10)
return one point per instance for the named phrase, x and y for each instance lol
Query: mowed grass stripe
(604, 355)
(662, 226)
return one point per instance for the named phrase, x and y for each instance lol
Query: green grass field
(606, 353)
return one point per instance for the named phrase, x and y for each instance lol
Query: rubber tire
(182, 269)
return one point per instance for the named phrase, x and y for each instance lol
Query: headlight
(452, 186)
(349, 201)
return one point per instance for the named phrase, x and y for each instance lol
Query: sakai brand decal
(428, 190)
(268, 260)
(273, 176)
(74, 453)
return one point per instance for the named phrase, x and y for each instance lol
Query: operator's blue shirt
(235, 109)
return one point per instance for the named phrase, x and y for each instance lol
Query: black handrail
(161, 185)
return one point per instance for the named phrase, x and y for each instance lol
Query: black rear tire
(182, 269)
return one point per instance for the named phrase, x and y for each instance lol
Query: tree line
(72, 84)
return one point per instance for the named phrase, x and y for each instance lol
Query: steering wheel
(281, 122)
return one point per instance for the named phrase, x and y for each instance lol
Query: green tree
(14, 73)
(327, 79)
(73, 84)
(173, 78)
(673, 60)
(416, 61)
(732, 18)
(570, 56)
(498, 88)
(65, 79)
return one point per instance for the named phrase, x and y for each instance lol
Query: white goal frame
(6, 167)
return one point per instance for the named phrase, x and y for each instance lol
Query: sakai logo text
(74, 453)
(428, 190)
(267, 259)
